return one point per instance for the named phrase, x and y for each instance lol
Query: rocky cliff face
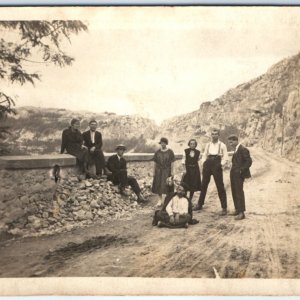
(264, 111)
(38, 130)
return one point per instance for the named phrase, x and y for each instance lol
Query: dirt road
(264, 245)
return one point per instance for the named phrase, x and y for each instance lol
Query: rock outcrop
(31, 203)
(76, 203)
(264, 111)
(38, 130)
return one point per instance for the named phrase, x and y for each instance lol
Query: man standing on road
(241, 162)
(214, 158)
(92, 139)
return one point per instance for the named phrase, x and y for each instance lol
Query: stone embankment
(31, 203)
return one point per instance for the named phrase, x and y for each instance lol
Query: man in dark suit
(92, 139)
(241, 162)
(117, 165)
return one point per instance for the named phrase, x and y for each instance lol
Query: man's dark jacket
(88, 142)
(71, 141)
(242, 161)
(116, 166)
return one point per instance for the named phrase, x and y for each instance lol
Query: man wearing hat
(117, 165)
(93, 141)
(241, 162)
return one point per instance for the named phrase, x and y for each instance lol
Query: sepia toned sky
(159, 61)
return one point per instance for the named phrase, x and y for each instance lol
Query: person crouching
(176, 214)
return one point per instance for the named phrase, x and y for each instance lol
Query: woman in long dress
(192, 177)
(163, 169)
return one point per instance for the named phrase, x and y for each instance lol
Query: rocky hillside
(264, 111)
(38, 130)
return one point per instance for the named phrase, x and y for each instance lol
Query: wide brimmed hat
(120, 146)
(164, 140)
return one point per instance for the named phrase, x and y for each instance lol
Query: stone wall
(32, 203)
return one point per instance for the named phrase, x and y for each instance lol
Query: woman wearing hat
(163, 169)
(192, 177)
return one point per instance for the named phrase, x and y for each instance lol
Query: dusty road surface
(264, 245)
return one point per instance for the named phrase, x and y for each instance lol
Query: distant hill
(264, 111)
(38, 130)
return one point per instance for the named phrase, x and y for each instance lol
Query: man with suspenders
(214, 158)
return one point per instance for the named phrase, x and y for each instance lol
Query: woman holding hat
(163, 169)
(192, 177)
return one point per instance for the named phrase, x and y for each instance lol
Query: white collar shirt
(177, 206)
(92, 136)
(237, 148)
(218, 148)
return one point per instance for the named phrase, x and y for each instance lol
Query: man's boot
(197, 207)
(240, 216)
(141, 198)
(122, 190)
(223, 212)
(234, 213)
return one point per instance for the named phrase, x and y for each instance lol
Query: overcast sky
(160, 62)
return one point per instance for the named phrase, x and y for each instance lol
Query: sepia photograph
(150, 150)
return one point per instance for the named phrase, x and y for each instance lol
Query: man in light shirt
(92, 139)
(214, 158)
(177, 211)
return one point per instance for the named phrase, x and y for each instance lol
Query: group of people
(87, 148)
(176, 207)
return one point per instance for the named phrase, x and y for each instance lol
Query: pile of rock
(76, 203)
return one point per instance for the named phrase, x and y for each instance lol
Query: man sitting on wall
(117, 165)
(72, 142)
(92, 139)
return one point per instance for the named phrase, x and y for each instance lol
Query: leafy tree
(36, 42)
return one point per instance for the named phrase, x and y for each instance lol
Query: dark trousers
(237, 190)
(165, 218)
(82, 160)
(212, 167)
(123, 180)
(97, 157)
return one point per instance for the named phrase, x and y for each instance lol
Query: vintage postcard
(149, 150)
